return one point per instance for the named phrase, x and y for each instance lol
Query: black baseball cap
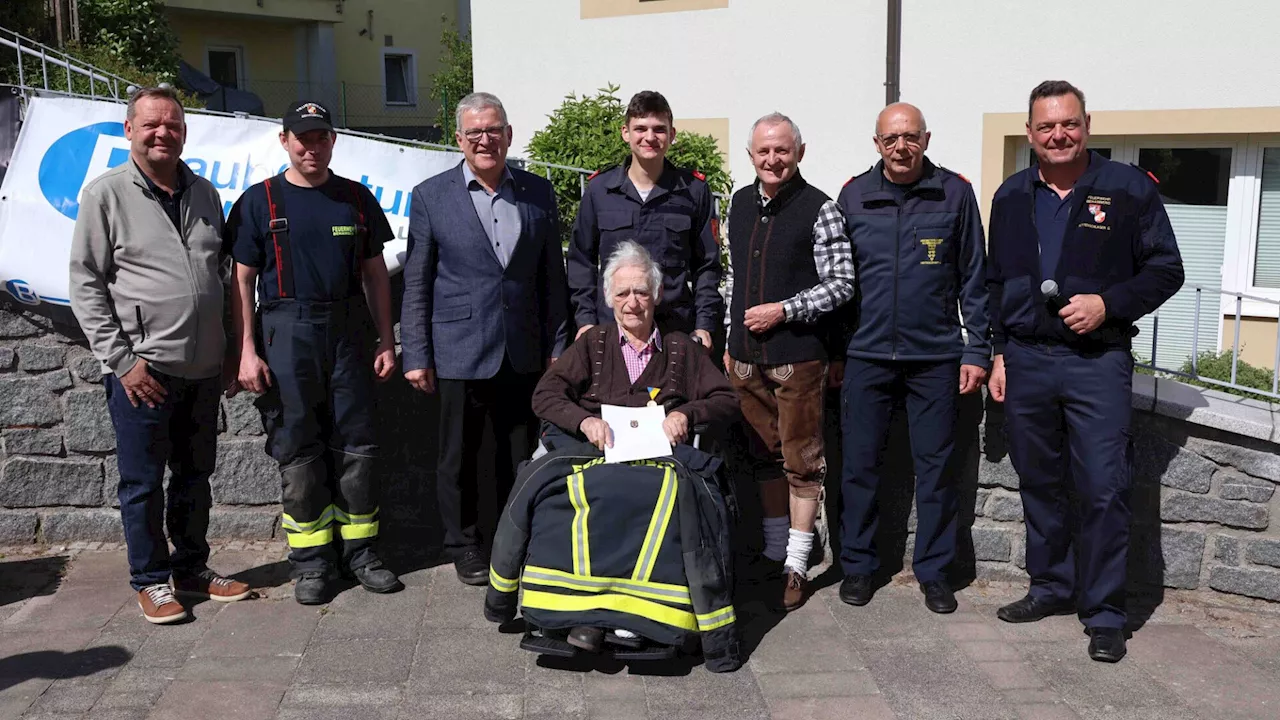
(307, 116)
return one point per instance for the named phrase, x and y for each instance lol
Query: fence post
(1235, 345)
(1195, 337)
(1275, 364)
(17, 40)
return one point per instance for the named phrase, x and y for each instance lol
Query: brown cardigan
(681, 369)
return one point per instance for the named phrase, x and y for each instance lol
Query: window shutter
(1266, 267)
(1201, 232)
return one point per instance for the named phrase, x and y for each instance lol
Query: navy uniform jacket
(916, 264)
(676, 225)
(1118, 244)
(462, 311)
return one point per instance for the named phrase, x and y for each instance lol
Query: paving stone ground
(73, 645)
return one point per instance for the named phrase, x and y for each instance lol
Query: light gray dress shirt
(497, 212)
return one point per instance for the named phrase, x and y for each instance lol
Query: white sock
(625, 634)
(798, 546)
(775, 537)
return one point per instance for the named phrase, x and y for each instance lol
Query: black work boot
(377, 579)
(312, 588)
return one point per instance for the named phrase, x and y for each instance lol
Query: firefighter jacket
(641, 546)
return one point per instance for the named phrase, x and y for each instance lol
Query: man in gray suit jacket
(485, 311)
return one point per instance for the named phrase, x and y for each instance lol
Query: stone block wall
(58, 471)
(1206, 512)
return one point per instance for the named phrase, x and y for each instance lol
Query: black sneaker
(856, 590)
(377, 579)
(312, 588)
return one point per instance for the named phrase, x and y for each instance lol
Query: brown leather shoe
(210, 584)
(796, 590)
(159, 606)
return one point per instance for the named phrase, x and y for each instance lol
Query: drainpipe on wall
(893, 54)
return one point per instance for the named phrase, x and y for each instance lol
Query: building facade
(372, 60)
(1176, 86)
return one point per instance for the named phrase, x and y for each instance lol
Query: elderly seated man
(634, 363)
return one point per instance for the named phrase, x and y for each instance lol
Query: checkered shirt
(637, 360)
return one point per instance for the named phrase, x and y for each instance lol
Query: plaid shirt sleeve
(833, 254)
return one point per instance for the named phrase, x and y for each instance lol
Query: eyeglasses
(912, 139)
(493, 133)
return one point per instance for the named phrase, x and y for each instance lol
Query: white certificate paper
(637, 433)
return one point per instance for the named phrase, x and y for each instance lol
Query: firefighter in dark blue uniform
(668, 210)
(1081, 248)
(918, 250)
(311, 243)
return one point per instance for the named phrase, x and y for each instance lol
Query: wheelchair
(621, 646)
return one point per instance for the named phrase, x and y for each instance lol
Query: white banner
(66, 142)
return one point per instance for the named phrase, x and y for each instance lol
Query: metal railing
(1189, 368)
(38, 67)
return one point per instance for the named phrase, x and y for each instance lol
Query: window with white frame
(399, 77)
(225, 65)
(1266, 258)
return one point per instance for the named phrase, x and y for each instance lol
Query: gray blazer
(463, 312)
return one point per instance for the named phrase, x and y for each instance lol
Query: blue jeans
(182, 433)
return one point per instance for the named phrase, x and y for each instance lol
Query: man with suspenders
(320, 338)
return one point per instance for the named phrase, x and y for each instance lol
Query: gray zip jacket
(142, 289)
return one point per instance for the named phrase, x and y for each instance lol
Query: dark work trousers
(870, 389)
(181, 432)
(465, 487)
(318, 414)
(1067, 416)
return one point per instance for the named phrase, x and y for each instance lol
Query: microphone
(1052, 295)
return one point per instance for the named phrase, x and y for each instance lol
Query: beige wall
(1257, 339)
(269, 49)
(413, 26)
(280, 9)
(717, 128)
(618, 8)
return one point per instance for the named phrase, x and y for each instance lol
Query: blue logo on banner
(22, 292)
(65, 165)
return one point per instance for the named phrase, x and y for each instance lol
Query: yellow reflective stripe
(657, 527)
(718, 618)
(500, 583)
(309, 539)
(359, 530)
(618, 603)
(649, 590)
(580, 539)
(343, 516)
(326, 517)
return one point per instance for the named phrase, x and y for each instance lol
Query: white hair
(775, 118)
(632, 254)
(478, 101)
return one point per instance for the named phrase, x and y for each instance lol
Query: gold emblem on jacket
(932, 244)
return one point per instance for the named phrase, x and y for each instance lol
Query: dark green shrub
(1217, 366)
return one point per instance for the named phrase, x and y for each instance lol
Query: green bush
(454, 79)
(585, 132)
(1217, 366)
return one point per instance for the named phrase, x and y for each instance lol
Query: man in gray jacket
(147, 289)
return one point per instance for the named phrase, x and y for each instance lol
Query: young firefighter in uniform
(311, 242)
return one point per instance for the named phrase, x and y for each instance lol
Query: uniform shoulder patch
(699, 175)
(953, 172)
(1147, 172)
